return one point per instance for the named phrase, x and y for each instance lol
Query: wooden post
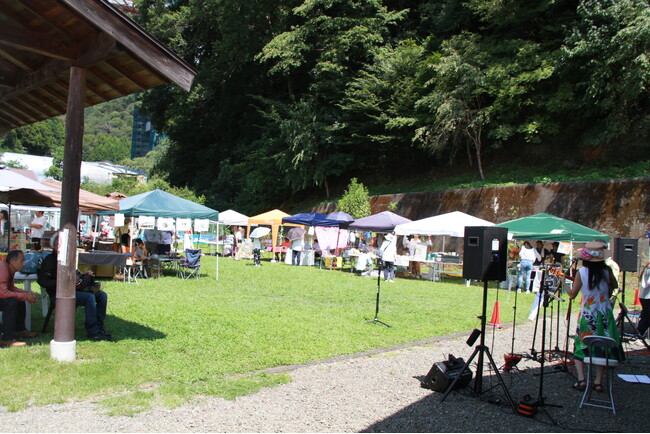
(63, 347)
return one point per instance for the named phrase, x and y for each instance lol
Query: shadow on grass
(119, 329)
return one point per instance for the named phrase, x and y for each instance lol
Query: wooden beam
(9, 113)
(100, 75)
(43, 107)
(45, 45)
(126, 74)
(136, 40)
(94, 49)
(26, 108)
(15, 61)
(26, 117)
(67, 264)
(58, 98)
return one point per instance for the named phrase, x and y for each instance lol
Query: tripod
(376, 319)
(482, 349)
(540, 396)
(622, 315)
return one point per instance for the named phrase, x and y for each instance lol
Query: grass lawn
(176, 340)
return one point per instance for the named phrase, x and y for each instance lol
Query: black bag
(86, 283)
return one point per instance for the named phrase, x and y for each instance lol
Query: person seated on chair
(595, 282)
(88, 294)
(11, 301)
(364, 263)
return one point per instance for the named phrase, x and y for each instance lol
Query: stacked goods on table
(18, 241)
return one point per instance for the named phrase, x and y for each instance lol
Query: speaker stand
(622, 315)
(481, 350)
(376, 319)
(622, 305)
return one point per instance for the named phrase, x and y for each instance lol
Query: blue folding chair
(191, 266)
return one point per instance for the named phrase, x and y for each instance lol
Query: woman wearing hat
(594, 281)
(388, 252)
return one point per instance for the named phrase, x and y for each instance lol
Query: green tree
(355, 200)
(458, 102)
(56, 169)
(317, 58)
(40, 138)
(110, 148)
(607, 56)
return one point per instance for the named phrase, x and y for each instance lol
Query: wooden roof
(41, 39)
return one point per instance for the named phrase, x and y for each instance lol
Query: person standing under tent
(151, 238)
(257, 252)
(413, 246)
(528, 255)
(296, 250)
(122, 235)
(595, 283)
(554, 254)
(388, 251)
(4, 230)
(543, 253)
(644, 296)
(165, 244)
(37, 227)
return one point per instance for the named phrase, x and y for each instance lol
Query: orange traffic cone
(496, 316)
(637, 301)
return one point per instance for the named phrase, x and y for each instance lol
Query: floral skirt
(599, 323)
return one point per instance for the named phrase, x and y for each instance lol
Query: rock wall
(620, 208)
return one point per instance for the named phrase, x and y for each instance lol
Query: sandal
(580, 385)
(598, 387)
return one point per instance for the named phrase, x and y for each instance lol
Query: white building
(101, 172)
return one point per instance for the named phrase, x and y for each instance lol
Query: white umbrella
(260, 232)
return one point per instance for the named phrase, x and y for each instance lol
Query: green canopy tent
(551, 228)
(158, 203)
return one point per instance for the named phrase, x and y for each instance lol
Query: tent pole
(216, 252)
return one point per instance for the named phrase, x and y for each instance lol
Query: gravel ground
(376, 392)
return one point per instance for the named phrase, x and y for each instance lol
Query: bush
(355, 200)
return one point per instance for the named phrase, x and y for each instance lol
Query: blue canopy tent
(311, 219)
(318, 219)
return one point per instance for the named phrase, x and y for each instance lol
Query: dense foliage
(295, 98)
(107, 135)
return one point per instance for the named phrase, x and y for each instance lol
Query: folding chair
(604, 346)
(191, 266)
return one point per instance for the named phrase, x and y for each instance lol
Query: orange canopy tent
(271, 218)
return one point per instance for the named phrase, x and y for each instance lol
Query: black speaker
(442, 374)
(625, 253)
(484, 254)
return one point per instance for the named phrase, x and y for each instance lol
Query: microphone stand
(379, 268)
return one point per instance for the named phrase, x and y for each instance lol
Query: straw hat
(593, 251)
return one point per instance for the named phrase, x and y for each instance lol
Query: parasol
(295, 233)
(260, 232)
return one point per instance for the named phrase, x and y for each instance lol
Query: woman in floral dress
(595, 281)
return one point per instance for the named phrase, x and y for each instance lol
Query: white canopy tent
(452, 224)
(232, 218)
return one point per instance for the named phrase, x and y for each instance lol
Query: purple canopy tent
(383, 222)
